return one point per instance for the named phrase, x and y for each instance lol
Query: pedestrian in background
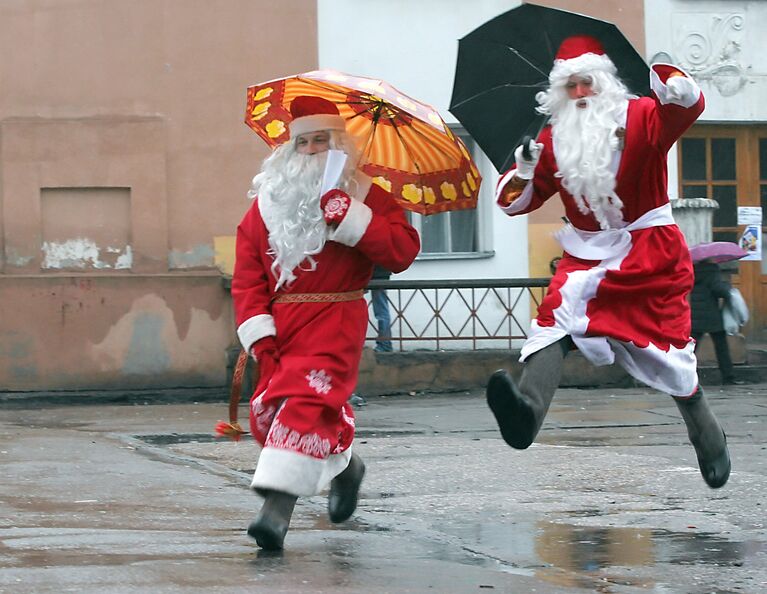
(708, 295)
(381, 311)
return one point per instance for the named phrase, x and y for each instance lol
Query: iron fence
(457, 314)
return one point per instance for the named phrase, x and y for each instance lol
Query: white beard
(584, 144)
(288, 190)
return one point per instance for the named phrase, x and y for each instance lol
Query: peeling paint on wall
(146, 340)
(14, 258)
(83, 253)
(201, 255)
(124, 260)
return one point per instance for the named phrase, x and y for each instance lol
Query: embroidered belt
(318, 297)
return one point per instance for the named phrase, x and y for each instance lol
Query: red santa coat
(622, 294)
(302, 420)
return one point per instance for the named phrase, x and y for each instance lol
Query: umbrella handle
(526, 147)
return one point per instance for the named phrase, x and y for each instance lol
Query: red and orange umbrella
(407, 147)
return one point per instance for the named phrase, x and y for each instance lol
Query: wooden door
(729, 165)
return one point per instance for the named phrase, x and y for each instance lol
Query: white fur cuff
(254, 329)
(521, 202)
(297, 474)
(353, 226)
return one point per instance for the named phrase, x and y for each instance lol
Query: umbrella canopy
(717, 251)
(505, 62)
(407, 147)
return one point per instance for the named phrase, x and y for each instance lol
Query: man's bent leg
(707, 437)
(520, 411)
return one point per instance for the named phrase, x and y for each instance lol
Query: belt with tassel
(318, 297)
(232, 429)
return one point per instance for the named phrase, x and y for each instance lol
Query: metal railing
(457, 314)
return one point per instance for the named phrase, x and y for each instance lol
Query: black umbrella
(505, 62)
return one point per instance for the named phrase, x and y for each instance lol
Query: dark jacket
(379, 272)
(709, 288)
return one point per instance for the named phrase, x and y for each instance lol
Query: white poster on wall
(751, 237)
(750, 215)
(751, 241)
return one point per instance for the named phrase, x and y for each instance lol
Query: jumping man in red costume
(619, 293)
(303, 261)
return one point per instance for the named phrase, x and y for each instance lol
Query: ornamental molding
(709, 47)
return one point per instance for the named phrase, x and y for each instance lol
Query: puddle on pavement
(176, 438)
(574, 555)
(586, 548)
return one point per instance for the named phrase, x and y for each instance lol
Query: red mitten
(335, 204)
(264, 351)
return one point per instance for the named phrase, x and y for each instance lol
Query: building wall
(123, 157)
(721, 43)
(414, 47)
(717, 41)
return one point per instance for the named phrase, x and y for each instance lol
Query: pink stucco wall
(123, 153)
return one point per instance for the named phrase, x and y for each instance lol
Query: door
(729, 165)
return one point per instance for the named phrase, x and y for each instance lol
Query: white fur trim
(351, 229)
(505, 179)
(583, 64)
(520, 203)
(315, 123)
(673, 372)
(678, 90)
(254, 329)
(297, 474)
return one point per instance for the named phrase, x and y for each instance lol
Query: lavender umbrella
(717, 251)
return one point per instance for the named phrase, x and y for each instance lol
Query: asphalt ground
(139, 497)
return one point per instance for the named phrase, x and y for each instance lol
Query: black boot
(271, 524)
(344, 491)
(520, 411)
(707, 437)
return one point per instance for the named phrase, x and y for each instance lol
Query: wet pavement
(140, 498)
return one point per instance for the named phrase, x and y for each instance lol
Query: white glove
(526, 167)
(681, 90)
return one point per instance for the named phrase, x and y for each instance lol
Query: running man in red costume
(303, 262)
(619, 293)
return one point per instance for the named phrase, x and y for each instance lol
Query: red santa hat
(311, 114)
(580, 54)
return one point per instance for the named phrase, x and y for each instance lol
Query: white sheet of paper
(749, 215)
(334, 167)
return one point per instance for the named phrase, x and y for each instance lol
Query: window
(708, 171)
(450, 233)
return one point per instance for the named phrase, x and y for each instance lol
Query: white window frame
(482, 224)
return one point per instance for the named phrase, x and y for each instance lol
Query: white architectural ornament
(708, 46)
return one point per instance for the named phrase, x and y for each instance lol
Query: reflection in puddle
(576, 553)
(578, 548)
(591, 548)
(598, 557)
